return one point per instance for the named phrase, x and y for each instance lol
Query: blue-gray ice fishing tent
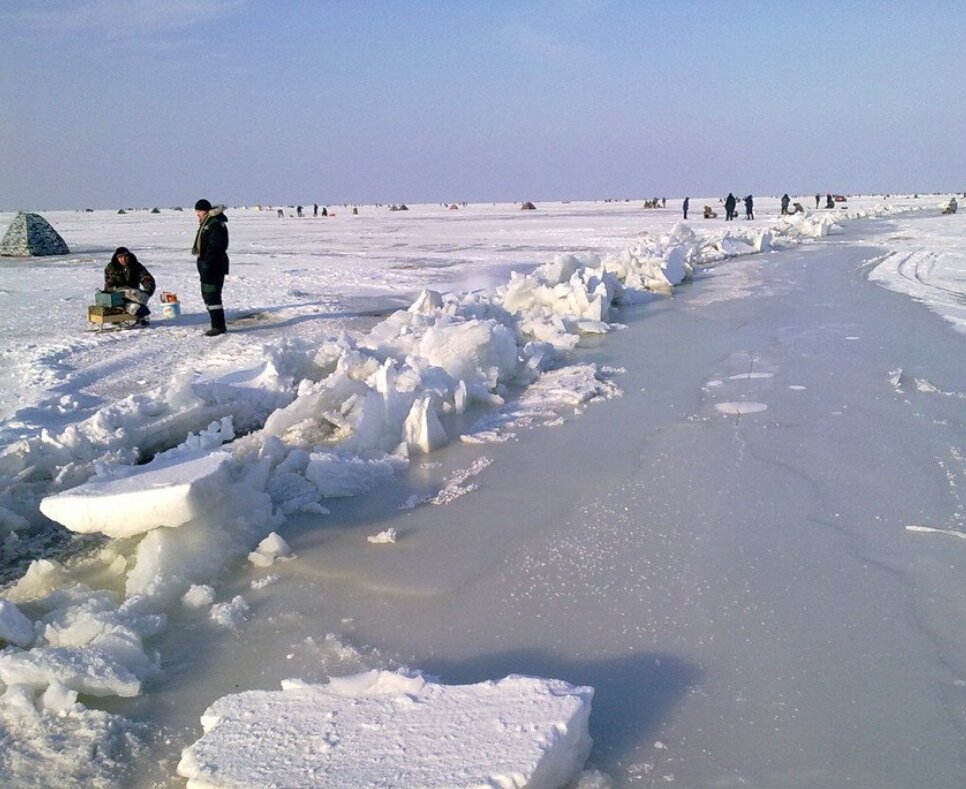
(31, 235)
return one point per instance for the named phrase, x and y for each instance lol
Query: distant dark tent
(528, 206)
(400, 207)
(121, 211)
(155, 210)
(31, 235)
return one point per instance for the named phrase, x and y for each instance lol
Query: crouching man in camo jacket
(126, 275)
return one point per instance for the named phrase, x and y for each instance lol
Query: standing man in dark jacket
(730, 203)
(211, 250)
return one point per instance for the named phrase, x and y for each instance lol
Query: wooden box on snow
(103, 315)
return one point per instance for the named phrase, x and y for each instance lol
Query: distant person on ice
(687, 202)
(126, 275)
(749, 207)
(211, 250)
(785, 201)
(730, 204)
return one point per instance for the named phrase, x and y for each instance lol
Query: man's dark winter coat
(213, 245)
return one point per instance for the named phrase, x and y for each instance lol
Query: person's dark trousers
(211, 285)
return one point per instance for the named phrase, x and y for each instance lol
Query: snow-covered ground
(355, 478)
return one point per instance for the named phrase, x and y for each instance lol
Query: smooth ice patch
(741, 408)
(750, 376)
(382, 728)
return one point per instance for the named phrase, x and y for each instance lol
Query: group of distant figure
(788, 208)
(731, 206)
(317, 211)
(298, 211)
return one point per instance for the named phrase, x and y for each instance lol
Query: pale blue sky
(109, 103)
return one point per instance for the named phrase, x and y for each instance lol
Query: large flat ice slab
(388, 729)
(169, 491)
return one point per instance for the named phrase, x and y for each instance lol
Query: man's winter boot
(217, 322)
